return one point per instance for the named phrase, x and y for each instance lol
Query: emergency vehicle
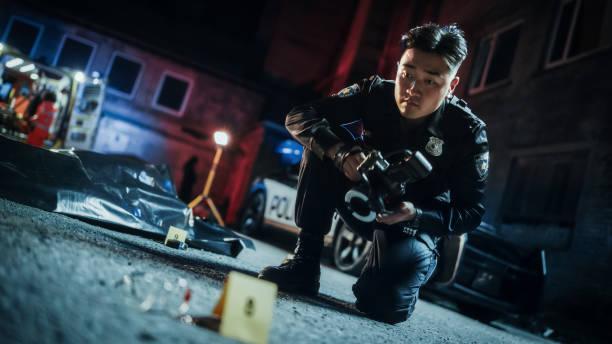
(73, 112)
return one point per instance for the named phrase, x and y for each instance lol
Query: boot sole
(300, 289)
(295, 288)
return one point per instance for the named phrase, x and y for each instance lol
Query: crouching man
(416, 111)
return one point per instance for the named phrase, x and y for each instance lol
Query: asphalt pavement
(66, 281)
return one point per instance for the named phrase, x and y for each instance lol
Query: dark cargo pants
(396, 267)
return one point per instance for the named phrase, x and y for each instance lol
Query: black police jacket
(452, 138)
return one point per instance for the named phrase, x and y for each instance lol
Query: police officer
(416, 111)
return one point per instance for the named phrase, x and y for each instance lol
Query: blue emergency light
(290, 152)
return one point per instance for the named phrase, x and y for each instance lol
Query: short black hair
(446, 41)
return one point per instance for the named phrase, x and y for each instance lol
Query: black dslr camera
(383, 186)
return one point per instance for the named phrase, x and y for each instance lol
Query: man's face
(422, 82)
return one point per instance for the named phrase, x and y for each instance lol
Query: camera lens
(357, 202)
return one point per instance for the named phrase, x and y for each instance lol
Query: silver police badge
(434, 146)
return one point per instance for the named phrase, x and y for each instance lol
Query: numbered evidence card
(175, 233)
(246, 306)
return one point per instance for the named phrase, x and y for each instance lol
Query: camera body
(383, 186)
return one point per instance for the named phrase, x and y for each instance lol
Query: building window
(172, 93)
(123, 75)
(23, 35)
(494, 58)
(76, 53)
(544, 188)
(580, 27)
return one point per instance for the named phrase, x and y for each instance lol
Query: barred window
(75, 53)
(22, 34)
(172, 93)
(123, 75)
(494, 58)
(544, 188)
(580, 27)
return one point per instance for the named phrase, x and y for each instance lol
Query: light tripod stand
(221, 139)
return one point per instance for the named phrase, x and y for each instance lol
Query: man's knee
(385, 303)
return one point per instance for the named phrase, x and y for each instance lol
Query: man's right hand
(350, 166)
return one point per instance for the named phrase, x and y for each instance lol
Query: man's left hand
(405, 211)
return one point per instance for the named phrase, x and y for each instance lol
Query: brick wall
(546, 111)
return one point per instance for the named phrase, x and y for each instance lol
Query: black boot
(301, 273)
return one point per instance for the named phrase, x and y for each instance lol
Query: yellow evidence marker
(245, 308)
(175, 233)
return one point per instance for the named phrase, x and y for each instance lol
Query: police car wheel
(350, 250)
(252, 214)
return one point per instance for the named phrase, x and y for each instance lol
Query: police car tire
(354, 268)
(253, 210)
